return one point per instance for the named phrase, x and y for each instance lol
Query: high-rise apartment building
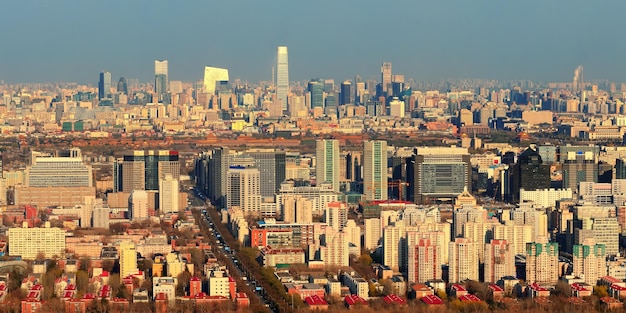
(243, 189)
(128, 258)
(424, 261)
(297, 209)
(138, 205)
(336, 215)
(104, 86)
(375, 170)
(161, 80)
(142, 170)
(436, 172)
(353, 232)
(213, 75)
(589, 261)
(334, 248)
(320, 195)
(327, 162)
(499, 260)
(282, 76)
(542, 262)
(463, 260)
(168, 195)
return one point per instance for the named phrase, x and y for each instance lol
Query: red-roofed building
(469, 298)
(129, 283)
(535, 290)
(119, 305)
(496, 291)
(581, 290)
(75, 306)
(419, 291)
(610, 280)
(394, 299)
(617, 291)
(316, 302)
(195, 286)
(432, 300)
(31, 305)
(457, 290)
(203, 298)
(610, 303)
(232, 287)
(242, 300)
(576, 301)
(104, 292)
(353, 300)
(160, 302)
(88, 298)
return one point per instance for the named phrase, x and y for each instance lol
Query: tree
(82, 281)
(600, 291)
(183, 283)
(365, 259)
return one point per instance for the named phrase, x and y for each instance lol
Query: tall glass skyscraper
(385, 72)
(104, 86)
(316, 90)
(282, 76)
(160, 79)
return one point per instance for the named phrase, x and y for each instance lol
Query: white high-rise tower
(282, 76)
(327, 162)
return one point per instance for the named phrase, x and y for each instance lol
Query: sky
(545, 40)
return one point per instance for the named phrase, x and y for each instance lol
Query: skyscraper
(327, 162)
(282, 76)
(375, 170)
(271, 165)
(48, 171)
(316, 91)
(122, 86)
(160, 79)
(142, 170)
(385, 72)
(104, 86)
(212, 75)
(529, 173)
(345, 96)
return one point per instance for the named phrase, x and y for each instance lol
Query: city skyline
(458, 40)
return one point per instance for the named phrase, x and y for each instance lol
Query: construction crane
(397, 184)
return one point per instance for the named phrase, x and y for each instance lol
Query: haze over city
(432, 40)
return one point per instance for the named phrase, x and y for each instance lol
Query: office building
(104, 86)
(589, 261)
(243, 189)
(375, 170)
(213, 75)
(168, 195)
(385, 72)
(437, 173)
(396, 108)
(620, 168)
(161, 80)
(122, 86)
(346, 94)
(142, 170)
(27, 242)
(272, 166)
(46, 170)
(529, 174)
(128, 258)
(579, 166)
(463, 260)
(424, 261)
(282, 76)
(316, 92)
(542, 262)
(327, 162)
(101, 217)
(499, 260)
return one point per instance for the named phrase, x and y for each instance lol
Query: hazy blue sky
(73, 40)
